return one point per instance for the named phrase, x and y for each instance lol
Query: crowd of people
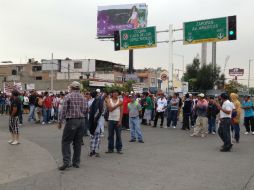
(85, 114)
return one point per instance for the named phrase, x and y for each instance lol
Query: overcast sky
(35, 28)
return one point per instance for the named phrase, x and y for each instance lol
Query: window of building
(14, 72)
(20, 68)
(119, 79)
(38, 78)
(78, 65)
(141, 79)
(37, 68)
(153, 81)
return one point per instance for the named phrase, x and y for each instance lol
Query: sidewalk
(23, 160)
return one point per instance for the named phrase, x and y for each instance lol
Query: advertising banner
(120, 17)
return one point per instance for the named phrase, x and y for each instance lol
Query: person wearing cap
(115, 108)
(15, 110)
(202, 120)
(225, 121)
(134, 111)
(247, 106)
(74, 111)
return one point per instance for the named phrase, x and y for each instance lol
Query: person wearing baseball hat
(202, 120)
(74, 111)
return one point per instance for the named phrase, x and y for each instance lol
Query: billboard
(120, 17)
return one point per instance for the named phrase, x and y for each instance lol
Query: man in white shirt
(225, 122)
(161, 106)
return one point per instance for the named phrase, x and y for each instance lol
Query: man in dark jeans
(161, 106)
(187, 112)
(212, 112)
(126, 101)
(172, 114)
(2, 103)
(225, 122)
(74, 111)
(115, 107)
(248, 115)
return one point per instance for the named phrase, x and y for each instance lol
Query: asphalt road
(168, 160)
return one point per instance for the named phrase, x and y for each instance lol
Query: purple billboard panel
(120, 17)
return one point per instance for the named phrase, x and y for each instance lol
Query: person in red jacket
(47, 106)
(125, 120)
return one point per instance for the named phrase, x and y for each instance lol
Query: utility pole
(131, 59)
(171, 64)
(178, 70)
(68, 71)
(250, 60)
(214, 59)
(52, 72)
(203, 53)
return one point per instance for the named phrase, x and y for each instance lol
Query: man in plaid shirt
(74, 110)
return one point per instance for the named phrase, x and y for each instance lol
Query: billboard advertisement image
(120, 17)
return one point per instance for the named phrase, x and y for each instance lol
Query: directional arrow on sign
(125, 45)
(150, 43)
(189, 39)
(220, 36)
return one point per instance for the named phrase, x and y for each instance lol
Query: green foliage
(85, 85)
(252, 91)
(202, 78)
(126, 87)
(232, 86)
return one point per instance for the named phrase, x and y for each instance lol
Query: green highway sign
(138, 38)
(210, 30)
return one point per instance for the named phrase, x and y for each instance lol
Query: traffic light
(117, 40)
(232, 28)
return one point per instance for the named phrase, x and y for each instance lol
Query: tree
(252, 91)
(85, 85)
(202, 78)
(191, 74)
(126, 87)
(220, 83)
(232, 86)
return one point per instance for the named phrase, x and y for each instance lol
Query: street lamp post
(182, 56)
(250, 60)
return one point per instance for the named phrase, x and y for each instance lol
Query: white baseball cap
(201, 95)
(75, 84)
